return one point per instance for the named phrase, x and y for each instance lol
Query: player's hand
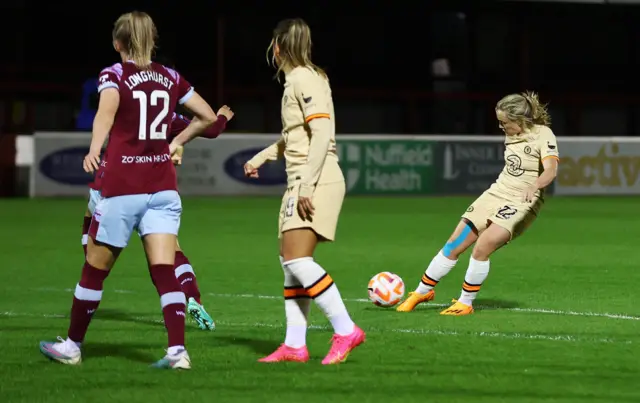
(173, 148)
(305, 208)
(251, 171)
(176, 157)
(91, 162)
(529, 194)
(226, 112)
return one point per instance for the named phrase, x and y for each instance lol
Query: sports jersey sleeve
(110, 77)
(312, 96)
(271, 153)
(180, 122)
(548, 145)
(311, 92)
(215, 129)
(185, 89)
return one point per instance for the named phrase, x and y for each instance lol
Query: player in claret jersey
(182, 266)
(139, 186)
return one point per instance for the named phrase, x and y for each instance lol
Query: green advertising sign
(388, 166)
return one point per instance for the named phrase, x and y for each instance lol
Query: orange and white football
(386, 289)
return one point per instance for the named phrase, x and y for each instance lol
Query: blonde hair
(292, 37)
(136, 33)
(525, 109)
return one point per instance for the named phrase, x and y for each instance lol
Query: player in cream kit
(506, 209)
(313, 199)
(139, 187)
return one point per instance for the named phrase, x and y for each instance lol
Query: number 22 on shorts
(506, 212)
(290, 207)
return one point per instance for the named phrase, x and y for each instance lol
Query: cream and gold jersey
(523, 157)
(307, 96)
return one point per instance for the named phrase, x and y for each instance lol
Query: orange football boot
(414, 299)
(458, 309)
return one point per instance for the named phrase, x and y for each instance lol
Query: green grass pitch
(559, 321)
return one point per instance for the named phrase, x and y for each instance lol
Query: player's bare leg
(492, 239)
(86, 222)
(463, 236)
(187, 279)
(160, 251)
(86, 299)
(297, 248)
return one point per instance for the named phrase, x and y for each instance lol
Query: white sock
(324, 292)
(296, 309)
(439, 267)
(476, 274)
(173, 350)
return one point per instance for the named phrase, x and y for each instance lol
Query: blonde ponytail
(525, 109)
(292, 38)
(539, 113)
(137, 33)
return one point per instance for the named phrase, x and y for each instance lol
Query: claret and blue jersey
(137, 158)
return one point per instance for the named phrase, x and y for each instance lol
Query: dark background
(582, 59)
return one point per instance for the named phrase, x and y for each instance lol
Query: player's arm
(179, 123)
(550, 158)
(200, 109)
(215, 129)
(272, 153)
(550, 172)
(224, 115)
(311, 97)
(204, 117)
(103, 121)
(109, 91)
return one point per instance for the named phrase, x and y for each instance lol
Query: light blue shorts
(115, 218)
(94, 198)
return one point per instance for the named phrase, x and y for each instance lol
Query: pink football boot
(286, 353)
(342, 345)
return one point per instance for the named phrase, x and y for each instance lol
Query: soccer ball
(386, 289)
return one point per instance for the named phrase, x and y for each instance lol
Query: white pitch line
(364, 300)
(39, 315)
(521, 336)
(485, 307)
(499, 335)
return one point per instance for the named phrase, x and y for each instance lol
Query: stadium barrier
(372, 164)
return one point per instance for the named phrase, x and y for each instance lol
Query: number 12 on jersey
(157, 129)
